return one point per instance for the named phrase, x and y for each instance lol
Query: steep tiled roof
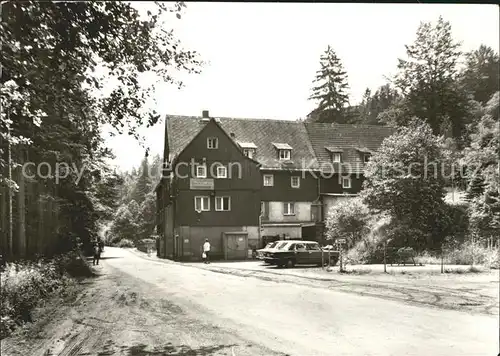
(263, 133)
(351, 139)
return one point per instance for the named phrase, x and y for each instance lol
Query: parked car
(269, 246)
(277, 245)
(297, 252)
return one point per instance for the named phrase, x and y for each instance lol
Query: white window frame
(204, 175)
(367, 157)
(298, 181)
(212, 143)
(202, 204)
(287, 155)
(272, 180)
(221, 199)
(249, 152)
(222, 175)
(289, 209)
(335, 155)
(346, 179)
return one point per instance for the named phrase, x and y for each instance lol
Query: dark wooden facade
(282, 189)
(176, 195)
(332, 183)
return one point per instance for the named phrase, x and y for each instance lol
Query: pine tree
(476, 187)
(147, 218)
(143, 185)
(428, 79)
(331, 88)
(156, 166)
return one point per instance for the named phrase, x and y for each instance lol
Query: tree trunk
(21, 211)
(41, 215)
(4, 220)
(10, 199)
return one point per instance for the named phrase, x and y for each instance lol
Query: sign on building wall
(201, 184)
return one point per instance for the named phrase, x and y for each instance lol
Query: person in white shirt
(206, 251)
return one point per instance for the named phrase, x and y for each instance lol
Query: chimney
(204, 114)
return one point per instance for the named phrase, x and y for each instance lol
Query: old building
(286, 160)
(244, 182)
(342, 151)
(210, 189)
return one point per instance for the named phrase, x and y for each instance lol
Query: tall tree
(144, 182)
(57, 57)
(373, 104)
(428, 79)
(147, 219)
(404, 180)
(481, 157)
(331, 88)
(481, 75)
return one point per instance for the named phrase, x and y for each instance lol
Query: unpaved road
(475, 293)
(145, 307)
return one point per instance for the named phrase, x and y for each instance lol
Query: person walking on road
(206, 251)
(97, 249)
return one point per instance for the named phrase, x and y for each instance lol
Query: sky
(262, 57)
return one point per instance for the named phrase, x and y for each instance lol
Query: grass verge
(25, 284)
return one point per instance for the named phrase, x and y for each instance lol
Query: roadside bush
(24, 285)
(467, 252)
(74, 264)
(125, 243)
(462, 254)
(357, 255)
(428, 258)
(348, 219)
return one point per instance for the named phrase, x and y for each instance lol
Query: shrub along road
(146, 307)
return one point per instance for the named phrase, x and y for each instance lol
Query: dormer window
(284, 151)
(335, 154)
(365, 153)
(212, 143)
(249, 152)
(285, 155)
(248, 148)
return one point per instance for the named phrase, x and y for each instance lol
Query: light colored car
(275, 247)
(269, 246)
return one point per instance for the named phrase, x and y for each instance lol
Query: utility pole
(385, 256)
(341, 260)
(473, 249)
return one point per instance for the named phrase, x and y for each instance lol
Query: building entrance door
(235, 245)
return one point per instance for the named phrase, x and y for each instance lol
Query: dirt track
(119, 315)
